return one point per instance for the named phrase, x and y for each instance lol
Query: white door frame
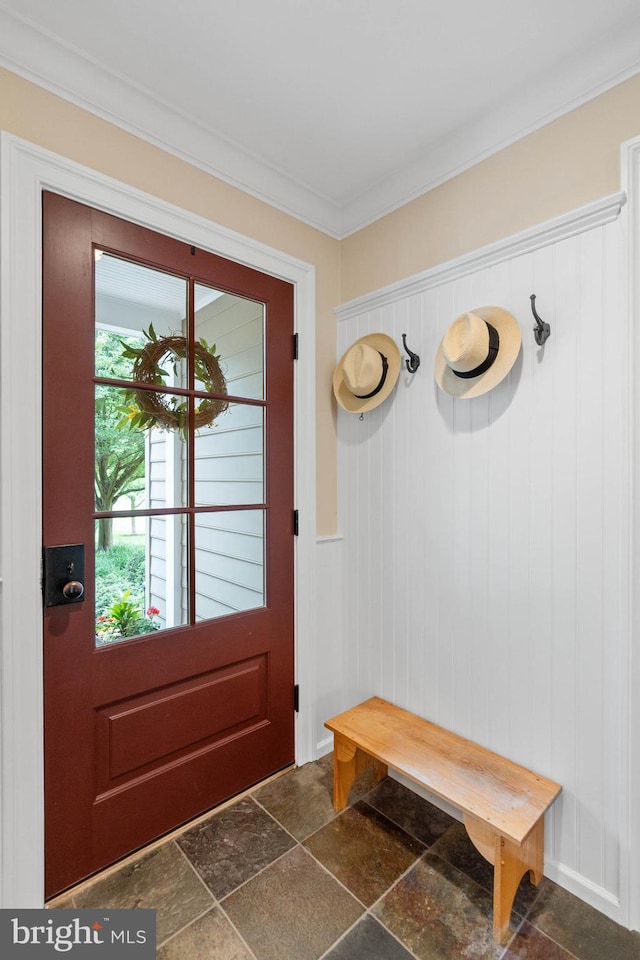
(25, 171)
(631, 185)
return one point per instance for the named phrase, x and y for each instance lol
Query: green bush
(118, 569)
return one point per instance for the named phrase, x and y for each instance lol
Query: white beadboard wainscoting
(484, 573)
(330, 663)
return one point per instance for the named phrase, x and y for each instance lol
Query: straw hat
(367, 373)
(477, 352)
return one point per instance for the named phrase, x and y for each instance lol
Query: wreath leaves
(143, 409)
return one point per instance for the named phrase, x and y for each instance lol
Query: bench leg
(344, 769)
(510, 863)
(348, 760)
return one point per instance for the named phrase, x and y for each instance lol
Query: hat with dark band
(367, 373)
(477, 352)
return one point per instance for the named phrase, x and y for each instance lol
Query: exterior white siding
(228, 470)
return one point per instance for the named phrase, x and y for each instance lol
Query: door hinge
(295, 346)
(296, 523)
(296, 697)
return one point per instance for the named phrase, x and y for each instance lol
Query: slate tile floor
(278, 875)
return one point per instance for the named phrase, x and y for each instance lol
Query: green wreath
(144, 409)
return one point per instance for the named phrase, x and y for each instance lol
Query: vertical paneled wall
(486, 542)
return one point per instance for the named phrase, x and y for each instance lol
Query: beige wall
(565, 164)
(39, 117)
(569, 162)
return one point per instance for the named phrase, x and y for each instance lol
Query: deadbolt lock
(63, 574)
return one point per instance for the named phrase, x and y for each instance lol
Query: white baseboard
(323, 747)
(584, 889)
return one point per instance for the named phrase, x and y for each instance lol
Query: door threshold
(62, 898)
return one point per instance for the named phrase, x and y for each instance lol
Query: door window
(180, 503)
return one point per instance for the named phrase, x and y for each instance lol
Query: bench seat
(502, 803)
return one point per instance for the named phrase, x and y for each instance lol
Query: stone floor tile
(580, 929)
(368, 940)
(531, 944)
(233, 845)
(439, 913)
(293, 910)
(456, 848)
(283, 904)
(417, 816)
(302, 799)
(364, 850)
(211, 937)
(161, 880)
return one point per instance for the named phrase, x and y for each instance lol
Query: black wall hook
(542, 330)
(414, 360)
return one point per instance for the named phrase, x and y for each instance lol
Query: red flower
(153, 611)
(101, 619)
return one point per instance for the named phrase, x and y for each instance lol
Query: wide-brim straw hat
(477, 352)
(367, 373)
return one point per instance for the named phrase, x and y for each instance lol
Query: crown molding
(63, 71)
(551, 231)
(48, 62)
(526, 111)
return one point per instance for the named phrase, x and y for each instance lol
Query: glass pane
(229, 458)
(230, 569)
(136, 469)
(141, 580)
(136, 308)
(232, 328)
(120, 478)
(167, 465)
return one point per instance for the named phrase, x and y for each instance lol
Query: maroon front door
(169, 683)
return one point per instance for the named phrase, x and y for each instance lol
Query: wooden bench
(502, 803)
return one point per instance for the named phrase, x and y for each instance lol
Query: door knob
(73, 590)
(63, 574)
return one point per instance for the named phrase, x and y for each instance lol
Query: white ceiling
(336, 111)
